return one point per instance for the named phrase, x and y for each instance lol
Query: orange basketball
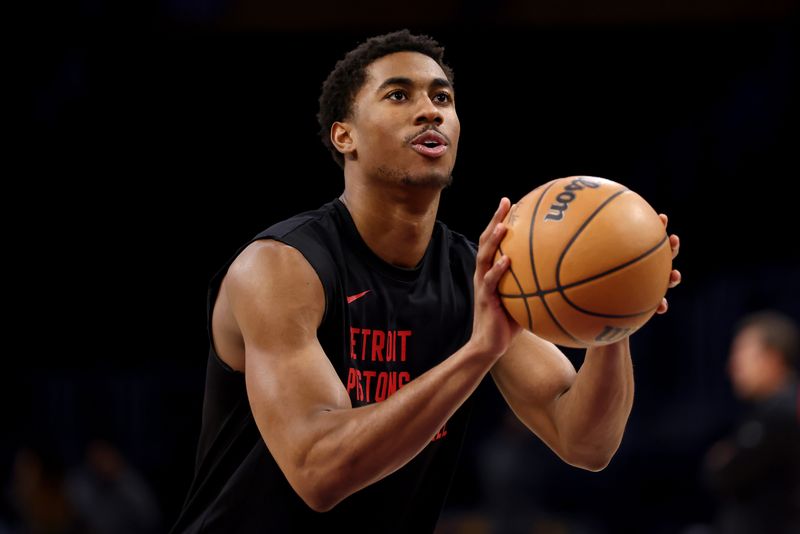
(590, 261)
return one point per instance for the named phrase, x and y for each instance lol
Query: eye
(443, 98)
(397, 95)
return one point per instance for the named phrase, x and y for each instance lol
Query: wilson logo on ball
(557, 208)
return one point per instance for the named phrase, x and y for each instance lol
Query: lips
(431, 144)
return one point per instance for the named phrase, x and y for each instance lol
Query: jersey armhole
(323, 266)
(321, 263)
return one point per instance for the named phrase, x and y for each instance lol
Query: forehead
(748, 337)
(413, 65)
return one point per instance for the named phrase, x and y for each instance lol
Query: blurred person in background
(755, 471)
(38, 497)
(110, 496)
(103, 494)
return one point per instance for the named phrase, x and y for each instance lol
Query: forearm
(360, 446)
(592, 414)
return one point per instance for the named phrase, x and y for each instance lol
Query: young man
(346, 342)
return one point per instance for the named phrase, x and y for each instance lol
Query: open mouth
(431, 144)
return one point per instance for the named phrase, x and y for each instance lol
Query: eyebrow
(402, 80)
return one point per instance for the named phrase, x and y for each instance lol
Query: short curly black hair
(347, 77)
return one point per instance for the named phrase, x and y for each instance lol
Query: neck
(395, 221)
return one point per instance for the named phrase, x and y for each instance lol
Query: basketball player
(346, 342)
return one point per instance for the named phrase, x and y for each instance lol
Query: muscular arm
(581, 416)
(326, 448)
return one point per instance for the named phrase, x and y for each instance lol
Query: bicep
(278, 301)
(531, 376)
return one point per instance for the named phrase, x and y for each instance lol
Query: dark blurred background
(160, 136)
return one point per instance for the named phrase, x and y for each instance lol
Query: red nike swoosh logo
(357, 296)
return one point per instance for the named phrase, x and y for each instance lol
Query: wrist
(617, 348)
(479, 350)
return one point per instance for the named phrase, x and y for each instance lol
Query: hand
(493, 329)
(675, 275)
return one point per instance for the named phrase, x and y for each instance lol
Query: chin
(436, 180)
(428, 178)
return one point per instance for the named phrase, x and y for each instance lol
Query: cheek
(380, 139)
(739, 366)
(750, 367)
(456, 131)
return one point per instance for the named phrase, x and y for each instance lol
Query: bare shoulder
(269, 288)
(269, 263)
(270, 279)
(266, 256)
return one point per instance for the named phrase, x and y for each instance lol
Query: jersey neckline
(395, 272)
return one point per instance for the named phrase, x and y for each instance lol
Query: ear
(342, 139)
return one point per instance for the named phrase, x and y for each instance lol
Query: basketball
(590, 261)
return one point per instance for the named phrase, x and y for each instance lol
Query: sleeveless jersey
(383, 326)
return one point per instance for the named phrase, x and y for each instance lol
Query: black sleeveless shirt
(383, 326)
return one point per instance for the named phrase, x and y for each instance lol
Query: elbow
(323, 474)
(594, 460)
(318, 495)
(594, 464)
(321, 490)
(318, 501)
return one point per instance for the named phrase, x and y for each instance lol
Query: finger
(499, 215)
(499, 232)
(493, 275)
(663, 218)
(488, 249)
(674, 278)
(675, 245)
(490, 238)
(663, 307)
(505, 206)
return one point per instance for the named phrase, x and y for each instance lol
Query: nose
(428, 113)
